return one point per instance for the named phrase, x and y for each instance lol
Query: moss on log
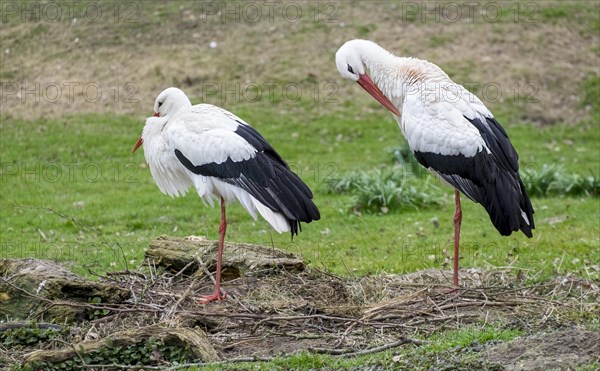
(49, 280)
(239, 259)
(193, 341)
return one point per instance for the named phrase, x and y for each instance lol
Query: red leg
(218, 295)
(457, 221)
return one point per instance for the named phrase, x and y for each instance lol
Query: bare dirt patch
(555, 350)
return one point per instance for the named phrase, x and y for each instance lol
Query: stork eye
(160, 104)
(350, 69)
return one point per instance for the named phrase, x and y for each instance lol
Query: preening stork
(225, 159)
(449, 130)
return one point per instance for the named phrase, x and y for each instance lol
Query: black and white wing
(221, 149)
(463, 143)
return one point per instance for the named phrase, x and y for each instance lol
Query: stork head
(168, 102)
(350, 62)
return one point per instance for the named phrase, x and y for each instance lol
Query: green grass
(551, 179)
(439, 40)
(307, 361)
(584, 13)
(553, 13)
(365, 30)
(591, 93)
(81, 167)
(451, 349)
(453, 345)
(382, 190)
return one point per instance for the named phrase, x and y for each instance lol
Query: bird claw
(454, 290)
(217, 295)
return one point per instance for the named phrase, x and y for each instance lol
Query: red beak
(137, 145)
(140, 141)
(366, 83)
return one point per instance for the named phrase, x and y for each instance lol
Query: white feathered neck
(395, 75)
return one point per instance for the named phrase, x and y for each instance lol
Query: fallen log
(25, 283)
(193, 341)
(239, 259)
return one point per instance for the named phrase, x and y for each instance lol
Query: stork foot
(217, 295)
(454, 290)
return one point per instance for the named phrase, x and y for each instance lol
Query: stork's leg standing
(217, 295)
(457, 221)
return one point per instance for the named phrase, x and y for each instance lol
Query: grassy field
(72, 191)
(81, 168)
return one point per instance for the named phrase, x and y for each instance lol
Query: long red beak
(137, 145)
(366, 83)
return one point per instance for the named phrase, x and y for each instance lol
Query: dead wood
(178, 253)
(193, 339)
(49, 280)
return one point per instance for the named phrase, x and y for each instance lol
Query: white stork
(223, 158)
(449, 130)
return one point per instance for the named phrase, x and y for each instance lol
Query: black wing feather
(266, 176)
(496, 139)
(490, 179)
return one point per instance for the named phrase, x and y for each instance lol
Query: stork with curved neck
(449, 130)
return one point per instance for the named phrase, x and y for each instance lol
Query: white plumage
(438, 127)
(168, 173)
(449, 130)
(222, 158)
